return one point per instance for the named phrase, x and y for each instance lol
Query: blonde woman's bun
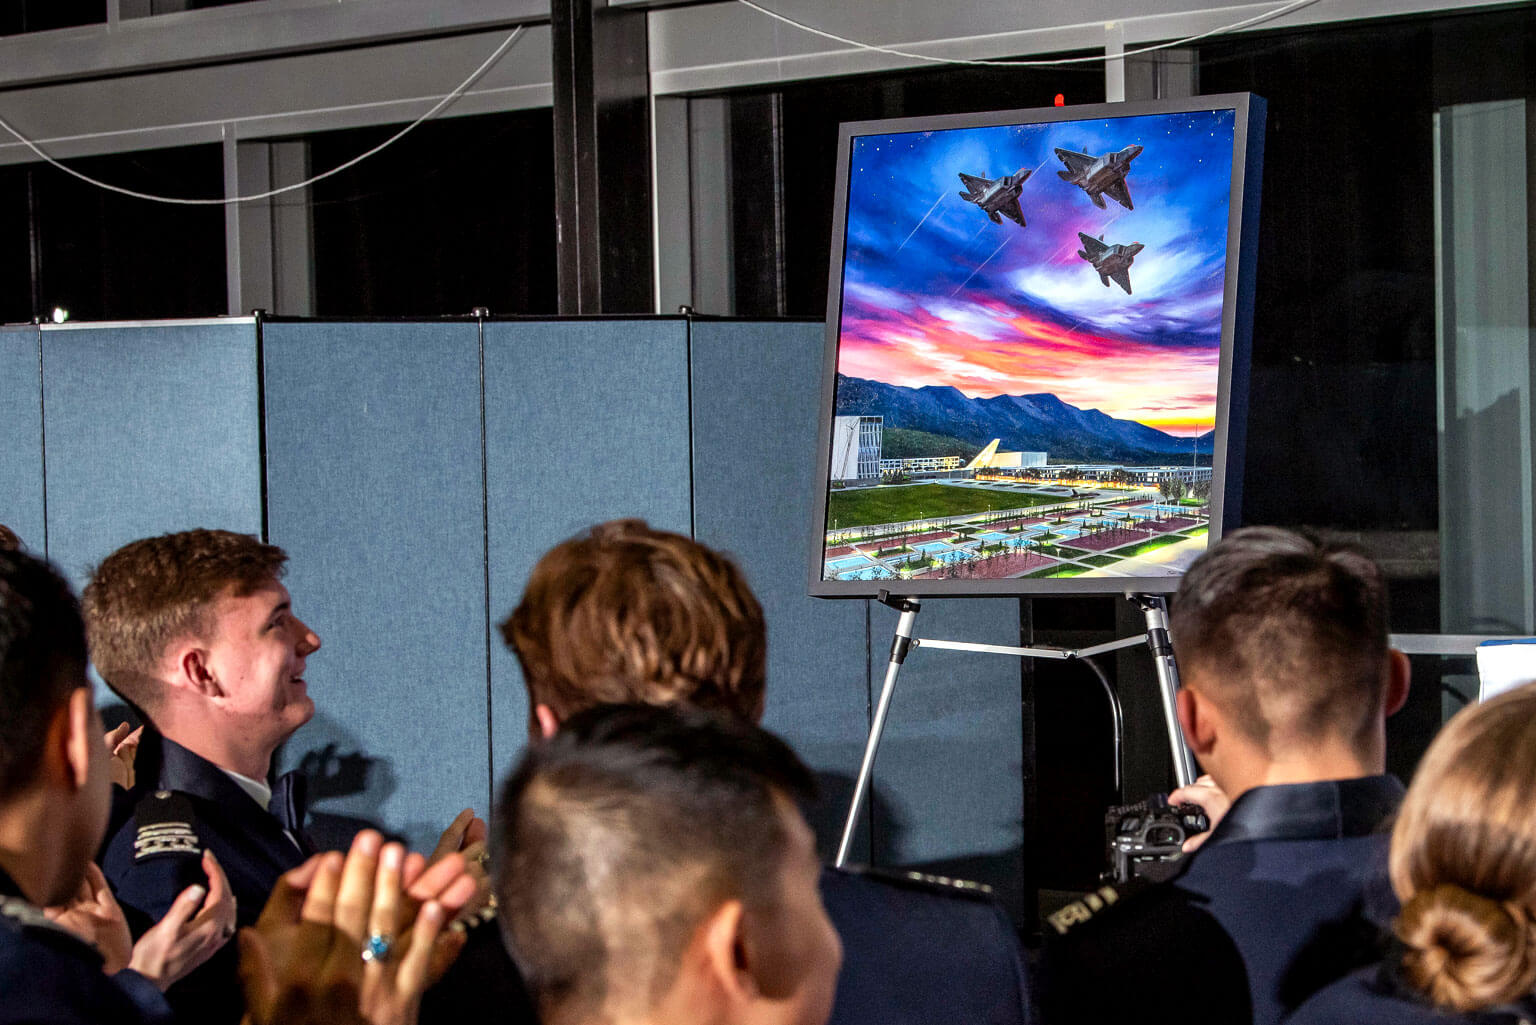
(1465, 951)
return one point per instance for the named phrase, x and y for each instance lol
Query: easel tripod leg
(900, 645)
(1155, 608)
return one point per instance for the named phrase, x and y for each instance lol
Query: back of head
(625, 613)
(1464, 858)
(9, 542)
(155, 590)
(42, 660)
(616, 838)
(1289, 635)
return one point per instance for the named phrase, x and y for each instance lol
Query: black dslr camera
(1146, 840)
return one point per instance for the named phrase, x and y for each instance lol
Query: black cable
(1119, 722)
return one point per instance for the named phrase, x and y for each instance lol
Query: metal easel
(1153, 607)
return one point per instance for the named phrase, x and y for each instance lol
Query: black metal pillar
(602, 158)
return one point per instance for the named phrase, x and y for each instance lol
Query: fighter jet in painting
(1109, 259)
(1100, 176)
(997, 196)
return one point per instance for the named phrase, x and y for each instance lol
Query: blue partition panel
(756, 398)
(375, 488)
(150, 428)
(950, 772)
(586, 421)
(21, 436)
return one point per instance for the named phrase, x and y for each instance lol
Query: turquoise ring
(378, 947)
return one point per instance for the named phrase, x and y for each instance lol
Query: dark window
(105, 256)
(17, 303)
(40, 15)
(460, 213)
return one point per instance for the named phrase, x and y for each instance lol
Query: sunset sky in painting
(934, 293)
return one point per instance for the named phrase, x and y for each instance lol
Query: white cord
(436, 108)
(1294, 5)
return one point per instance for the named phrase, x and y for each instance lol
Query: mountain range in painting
(1026, 423)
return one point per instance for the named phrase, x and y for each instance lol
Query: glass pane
(1391, 357)
(104, 256)
(41, 15)
(458, 214)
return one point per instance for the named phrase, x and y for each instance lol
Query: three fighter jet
(1097, 176)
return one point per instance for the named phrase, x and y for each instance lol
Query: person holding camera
(1288, 679)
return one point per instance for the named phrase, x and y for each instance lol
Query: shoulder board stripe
(165, 838)
(1080, 911)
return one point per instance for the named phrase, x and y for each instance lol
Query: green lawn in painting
(858, 507)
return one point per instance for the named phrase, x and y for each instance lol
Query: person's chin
(299, 710)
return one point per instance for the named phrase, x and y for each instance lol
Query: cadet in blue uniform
(1288, 679)
(197, 632)
(185, 805)
(625, 613)
(653, 869)
(54, 800)
(1463, 863)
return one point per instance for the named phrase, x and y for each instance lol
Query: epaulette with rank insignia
(924, 882)
(1092, 903)
(167, 827)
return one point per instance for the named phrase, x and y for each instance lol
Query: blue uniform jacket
(1286, 896)
(149, 863)
(48, 975)
(1377, 996)
(921, 954)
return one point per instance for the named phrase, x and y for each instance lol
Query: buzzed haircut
(627, 613)
(155, 590)
(616, 838)
(1287, 632)
(9, 542)
(42, 661)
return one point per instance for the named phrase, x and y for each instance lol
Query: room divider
(415, 471)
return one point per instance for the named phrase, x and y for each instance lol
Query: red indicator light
(1061, 101)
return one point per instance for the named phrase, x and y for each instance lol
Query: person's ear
(80, 734)
(193, 672)
(767, 955)
(1399, 675)
(1196, 720)
(548, 722)
(726, 955)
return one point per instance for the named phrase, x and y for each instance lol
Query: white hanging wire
(501, 50)
(1279, 12)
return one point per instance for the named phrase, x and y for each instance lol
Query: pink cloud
(1171, 388)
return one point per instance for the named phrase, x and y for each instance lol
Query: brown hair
(153, 591)
(9, 542)
(1464, 858)
(625, 613)
(1287, 633)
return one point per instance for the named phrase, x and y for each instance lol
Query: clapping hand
(348, 941)
(199, 922)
